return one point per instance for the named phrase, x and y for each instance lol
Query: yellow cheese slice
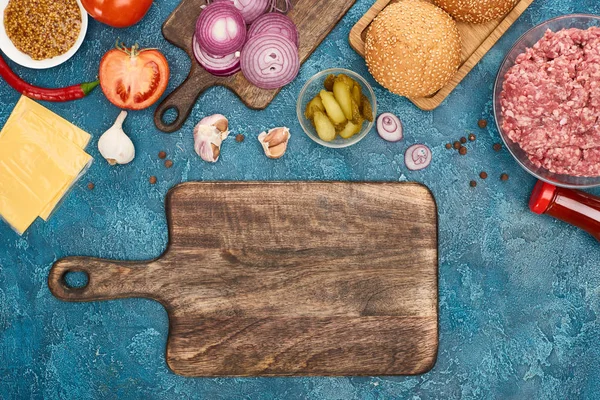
(38, 162)
(29, 179)
(19, 206)
(59, 124)
(31, 113)
(66, 154)
(70, 157)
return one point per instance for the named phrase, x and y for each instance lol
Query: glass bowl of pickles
(337, 108)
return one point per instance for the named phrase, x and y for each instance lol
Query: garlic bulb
(207, 142)
(114, 145)
(209, 135)
(275, 142)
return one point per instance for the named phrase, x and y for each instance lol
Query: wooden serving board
(314, 19)
(477, 40)
(287, 279)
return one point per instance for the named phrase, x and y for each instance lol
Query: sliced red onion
(250, 9)
(417, 157)
(276, 23)
(270, 61)
(218, 66)
(220, 29)
(389, 127)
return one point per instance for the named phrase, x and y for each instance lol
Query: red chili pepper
(57, 95)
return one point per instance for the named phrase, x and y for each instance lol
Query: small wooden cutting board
(294, 278)
(313, 18)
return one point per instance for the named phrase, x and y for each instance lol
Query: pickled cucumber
(341, 109)
(333, 109)
(314, 105)
(329, 81)
(347, 80)
(356, 116)
(325, 129)
(365, 108)
(357, 93)
(349, 130)
(342, 94)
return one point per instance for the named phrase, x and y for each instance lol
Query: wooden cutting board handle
(107, 279)
(182, 100)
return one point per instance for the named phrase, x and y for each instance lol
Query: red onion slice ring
(250, 9)
(389, 127)
(270, 61)
(417, 157)
(218, 66)
(276, 23)
(221, 29)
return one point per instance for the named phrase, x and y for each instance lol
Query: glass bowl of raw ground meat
(547, 101)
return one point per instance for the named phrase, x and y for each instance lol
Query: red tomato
(133, 79)
(117, 13)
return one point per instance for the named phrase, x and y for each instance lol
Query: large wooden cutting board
(314, 19)
(287, 279)
(477, 40)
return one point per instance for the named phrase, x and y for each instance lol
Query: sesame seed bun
(476, 11)
(413, 48)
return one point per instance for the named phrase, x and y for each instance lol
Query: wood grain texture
(313, 26)
(477, 40)
(278, 279)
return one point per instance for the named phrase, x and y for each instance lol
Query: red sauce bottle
(571, 206)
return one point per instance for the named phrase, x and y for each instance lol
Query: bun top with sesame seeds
(476, 11)
(413, 48)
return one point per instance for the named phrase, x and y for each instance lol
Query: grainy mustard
(43, 28)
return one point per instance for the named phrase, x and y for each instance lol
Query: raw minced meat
(551, 102)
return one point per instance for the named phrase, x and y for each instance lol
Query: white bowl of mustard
(19, 57)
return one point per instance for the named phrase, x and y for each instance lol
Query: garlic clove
(278, 151)
(218, 121)
(114, 145)
(275, 142)
(223, 126)
(216, 151)
(277, 136)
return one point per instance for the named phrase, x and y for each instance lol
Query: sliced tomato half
(133, 79)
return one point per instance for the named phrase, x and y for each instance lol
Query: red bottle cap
(541, 197)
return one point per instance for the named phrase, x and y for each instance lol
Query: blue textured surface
(518, 292)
